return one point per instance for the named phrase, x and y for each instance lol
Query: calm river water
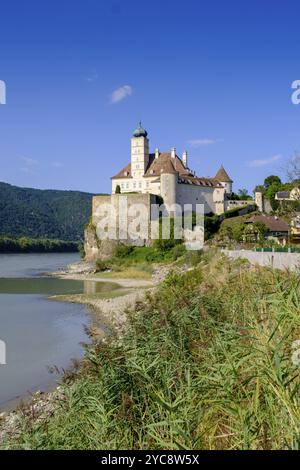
(38, 333)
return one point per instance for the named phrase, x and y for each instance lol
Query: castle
(147, 177)
(166, 175)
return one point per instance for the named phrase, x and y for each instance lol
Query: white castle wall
(173, 192)
(141, 185)
(212, 198)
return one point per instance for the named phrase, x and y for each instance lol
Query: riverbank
(110, 307)
(111, 310)
(133, 283)
(205, 362)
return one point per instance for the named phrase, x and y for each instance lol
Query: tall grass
(205, 364)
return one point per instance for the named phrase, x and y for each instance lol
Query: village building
(295, 227)
(276, 229)
(293, 195)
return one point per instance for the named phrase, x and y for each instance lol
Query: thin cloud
(121, 93)
(200, 142)
(57, 164)
(263, 162)
(28, 165)
(92, 78)
(29, 161)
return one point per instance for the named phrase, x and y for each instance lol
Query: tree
(234, 197)
(272, 184)
(259, 187)
(260, 229)
(293, 168)
(270, 180)
(243, 193)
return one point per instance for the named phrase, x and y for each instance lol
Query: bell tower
(139, 152)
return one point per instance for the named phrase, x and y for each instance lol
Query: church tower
(139, 152)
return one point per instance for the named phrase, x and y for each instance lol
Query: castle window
(140, 184)
(127, 185)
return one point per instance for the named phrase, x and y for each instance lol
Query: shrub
(178, 251)
(122, 251)
(101, 265)
(193, 257)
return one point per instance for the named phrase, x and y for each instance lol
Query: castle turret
(168, 185)
(224, 179)
(139, 152)
(259, 200)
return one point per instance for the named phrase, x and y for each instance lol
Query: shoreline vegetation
(37, 245)
(204, 362)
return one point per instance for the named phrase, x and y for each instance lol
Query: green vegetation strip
(32, 245)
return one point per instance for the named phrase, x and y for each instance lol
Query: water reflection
(94, 287)
(39, 333)
(52, 286)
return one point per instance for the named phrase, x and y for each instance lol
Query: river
(37, 333)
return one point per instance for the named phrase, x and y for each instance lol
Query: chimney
(173, 152)
(156, 153)
(184, 158)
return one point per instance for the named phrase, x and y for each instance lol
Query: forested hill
(39, 213)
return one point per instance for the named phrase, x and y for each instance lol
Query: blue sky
(212, 77)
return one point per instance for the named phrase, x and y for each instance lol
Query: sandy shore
(112, 309)
(123, 282)
(109, 311)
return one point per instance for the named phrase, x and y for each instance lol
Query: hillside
(39, 213)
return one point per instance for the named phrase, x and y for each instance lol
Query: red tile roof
(124, 173)
(166, 164)
(223, 176)
(272, 223)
